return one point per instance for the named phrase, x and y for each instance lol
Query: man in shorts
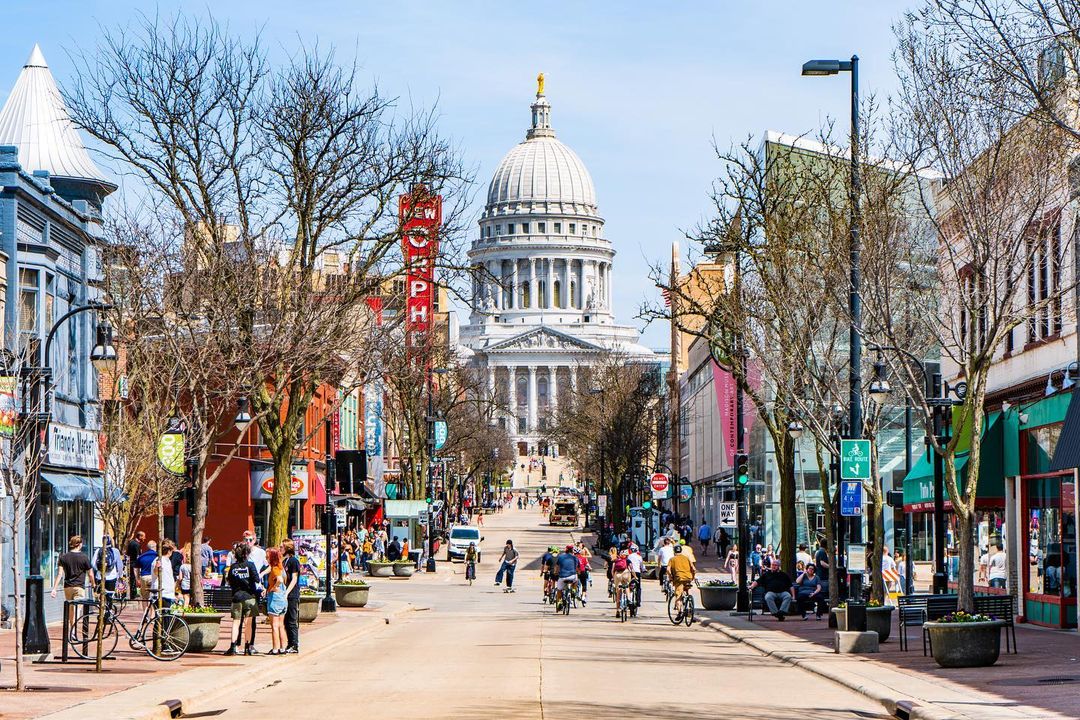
(681, 572)
(72, 568)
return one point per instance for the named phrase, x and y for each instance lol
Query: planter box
(351, 595)
(718, 598)
(380, 569)
(976, 644)
(841, 618)
(879, 620)
(403, 570)
(309, 607)
(204, 630)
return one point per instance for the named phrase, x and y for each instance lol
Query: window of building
(558, 228)
(524, 228)
(524, 296)
(28, 305)
(510, 229)
(573, 228)
(1051, 532)
(594, 230)
(973, 311)
(1044, 282)
(498, 230)
(541, 227)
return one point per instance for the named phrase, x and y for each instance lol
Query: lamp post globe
(795, 429)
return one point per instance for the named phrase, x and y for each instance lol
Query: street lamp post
(855, 420)
(941, 404)
(35, 636)
(430, 565)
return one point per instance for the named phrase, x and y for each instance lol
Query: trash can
(856, 616)
(415, 556)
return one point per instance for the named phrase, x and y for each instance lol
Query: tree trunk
(785, 462)
(20, 584)
(198, 527)
(966, 580)
(877, 547)
(280, 499)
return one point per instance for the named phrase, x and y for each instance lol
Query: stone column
(573, 381)
(511, 397)
(610, 289)
(515, 299)
(550, 283)
(491, 381)
(553, 389)
(534, 300)
(532, 398)
(568, 301)
(496, 287)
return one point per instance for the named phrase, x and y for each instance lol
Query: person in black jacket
(134, 550)
(292, 615)
(242, 577)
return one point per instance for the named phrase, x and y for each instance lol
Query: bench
(1000, 607)
(218, 598)
(757, 600)
(917, 610)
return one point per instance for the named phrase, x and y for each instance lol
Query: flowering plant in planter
(192, 610)
(964, 617)
(719, 583)
(351, 583)
(313, 593)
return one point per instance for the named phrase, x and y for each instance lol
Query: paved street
(509, 656)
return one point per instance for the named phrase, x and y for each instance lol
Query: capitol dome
(541, 174)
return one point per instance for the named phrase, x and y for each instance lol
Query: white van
(460, 538)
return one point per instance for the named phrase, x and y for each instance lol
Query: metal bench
(218, 598)
(937, 607)
(1000, 607)
(911, 611)
(757, 600)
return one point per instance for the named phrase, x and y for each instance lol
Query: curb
(895, 703)
(237, 680)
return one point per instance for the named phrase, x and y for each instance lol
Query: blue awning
(70, 487)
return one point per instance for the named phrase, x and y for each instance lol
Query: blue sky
(639, 90)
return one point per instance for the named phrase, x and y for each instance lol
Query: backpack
(582, 564)
(110, 560)
(620, 565)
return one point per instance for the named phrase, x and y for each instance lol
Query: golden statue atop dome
(540, 84)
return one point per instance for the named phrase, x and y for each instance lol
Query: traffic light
(647, 505)
(742, 468)
(429, 500)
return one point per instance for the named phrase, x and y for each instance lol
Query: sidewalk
(1042, 681)
(133, 685)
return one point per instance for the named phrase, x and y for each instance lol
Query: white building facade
(542, 301)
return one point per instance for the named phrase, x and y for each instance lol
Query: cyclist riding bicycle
(663, 557)
(583, 571)
(621, 576)
(471, 556)
(681, 573)
(547, 570)
(566, 566)
(637, 567)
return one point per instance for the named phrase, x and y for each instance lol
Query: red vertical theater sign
(421, 214)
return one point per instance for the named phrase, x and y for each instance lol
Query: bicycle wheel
(688, 609)
(169, 638)
(566, 604)
(674, 615)
(82, 637)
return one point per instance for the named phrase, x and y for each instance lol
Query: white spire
(35, 120)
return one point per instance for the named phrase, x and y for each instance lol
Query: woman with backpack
(242, 577)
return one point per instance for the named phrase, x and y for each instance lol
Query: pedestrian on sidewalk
(508, 564)
(731, 562)
(162, 576)
(722, 540)
(114, 563)
(72, 569)
(278, 588)
(242, 578)
(292, 613)
(705, 534)
(134, 550)
(145, 564)
(185, 575)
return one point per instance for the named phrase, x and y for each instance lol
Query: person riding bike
(583, 571)
(547, 570)
(471, 556)
(681, 573)
(621, 576)
(637, 568)
(566, 566)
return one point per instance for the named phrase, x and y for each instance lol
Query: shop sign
(262, 483)
(686, 492)
(421, 215)
(73, 447)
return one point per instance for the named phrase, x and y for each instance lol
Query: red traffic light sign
(659, 483)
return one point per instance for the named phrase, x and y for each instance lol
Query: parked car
(460, 538)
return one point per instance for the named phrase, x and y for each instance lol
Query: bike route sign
(854, 459)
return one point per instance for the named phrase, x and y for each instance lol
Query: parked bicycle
(162, 635)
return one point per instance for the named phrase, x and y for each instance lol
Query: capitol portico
(542, 305)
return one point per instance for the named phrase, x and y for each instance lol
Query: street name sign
(851, 498)
(727, 514)
(854, 459)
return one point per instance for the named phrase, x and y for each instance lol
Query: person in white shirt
(162, 580)
(663, 557)
(997, 566)
(637, 567)
(803, 556)
(887, 562)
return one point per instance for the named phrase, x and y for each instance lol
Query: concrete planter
(204, 630)
(841, 618)
(351, 595)
(404, 570)
(377, 569)
(879, 620)
(718, 597)
(309, 607)
(975, 644)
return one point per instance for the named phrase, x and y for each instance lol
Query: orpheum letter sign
(421, 215)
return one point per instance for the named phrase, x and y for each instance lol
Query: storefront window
(1051, 561)
(989, 529)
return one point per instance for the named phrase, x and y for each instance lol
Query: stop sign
(659, 483)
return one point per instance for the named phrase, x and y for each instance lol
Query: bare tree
(998, 228)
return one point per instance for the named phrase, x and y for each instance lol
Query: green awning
(919, 483)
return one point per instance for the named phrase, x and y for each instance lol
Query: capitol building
(542, 308)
